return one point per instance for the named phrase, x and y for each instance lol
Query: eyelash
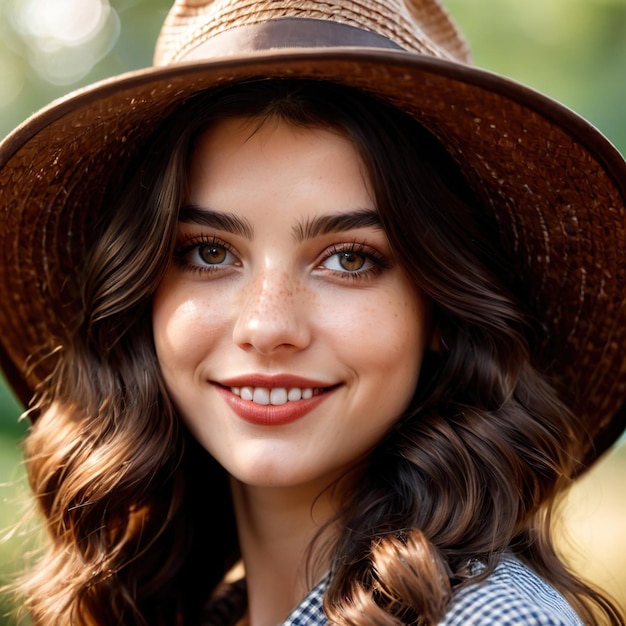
(372, 256)
(377, 260)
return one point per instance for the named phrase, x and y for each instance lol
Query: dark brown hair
(471, 470)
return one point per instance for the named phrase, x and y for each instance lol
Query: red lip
(288, 381)
(268, 414)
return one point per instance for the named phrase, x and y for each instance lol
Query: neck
(276, 527)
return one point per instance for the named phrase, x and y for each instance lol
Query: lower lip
(271, 414)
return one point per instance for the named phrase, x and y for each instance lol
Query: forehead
(258, 129)
(249, 155)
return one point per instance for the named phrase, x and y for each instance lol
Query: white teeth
(261, 395)
(294, 394)
(275, 396)
(278, 396)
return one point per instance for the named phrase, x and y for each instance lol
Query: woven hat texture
(556, 186)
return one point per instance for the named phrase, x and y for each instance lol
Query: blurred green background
(573, 50)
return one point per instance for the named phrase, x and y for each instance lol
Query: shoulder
(512, 595)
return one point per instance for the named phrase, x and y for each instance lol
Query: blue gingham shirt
(512, 595)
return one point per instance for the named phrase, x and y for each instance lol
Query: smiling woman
(297, 299)
(304, 305)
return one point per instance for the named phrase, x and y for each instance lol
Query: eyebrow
(228, 222)
(324, 224)
(309, 229)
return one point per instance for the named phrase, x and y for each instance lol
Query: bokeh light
(64, 39)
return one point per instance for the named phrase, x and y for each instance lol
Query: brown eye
(213, 254)
(352, 261)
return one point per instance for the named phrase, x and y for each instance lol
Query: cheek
(395, 359)
(184, 327)
(385, 331)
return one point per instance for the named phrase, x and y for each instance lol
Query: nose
(274, 315)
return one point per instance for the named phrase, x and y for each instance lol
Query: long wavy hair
(134, 508)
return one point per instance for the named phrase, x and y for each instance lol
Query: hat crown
(203, 29)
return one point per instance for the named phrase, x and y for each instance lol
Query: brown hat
(556, 186)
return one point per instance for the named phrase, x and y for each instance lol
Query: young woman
(304, 346)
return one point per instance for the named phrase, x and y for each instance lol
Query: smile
(275, 396)
(278, 403)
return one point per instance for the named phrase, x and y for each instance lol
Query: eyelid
(354, 246)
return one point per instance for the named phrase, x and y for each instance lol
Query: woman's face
(289, 338)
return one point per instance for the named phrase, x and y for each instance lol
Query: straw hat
(556, 186)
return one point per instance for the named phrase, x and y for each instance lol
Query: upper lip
(287, 381)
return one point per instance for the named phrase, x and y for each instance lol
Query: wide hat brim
(556, 186)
